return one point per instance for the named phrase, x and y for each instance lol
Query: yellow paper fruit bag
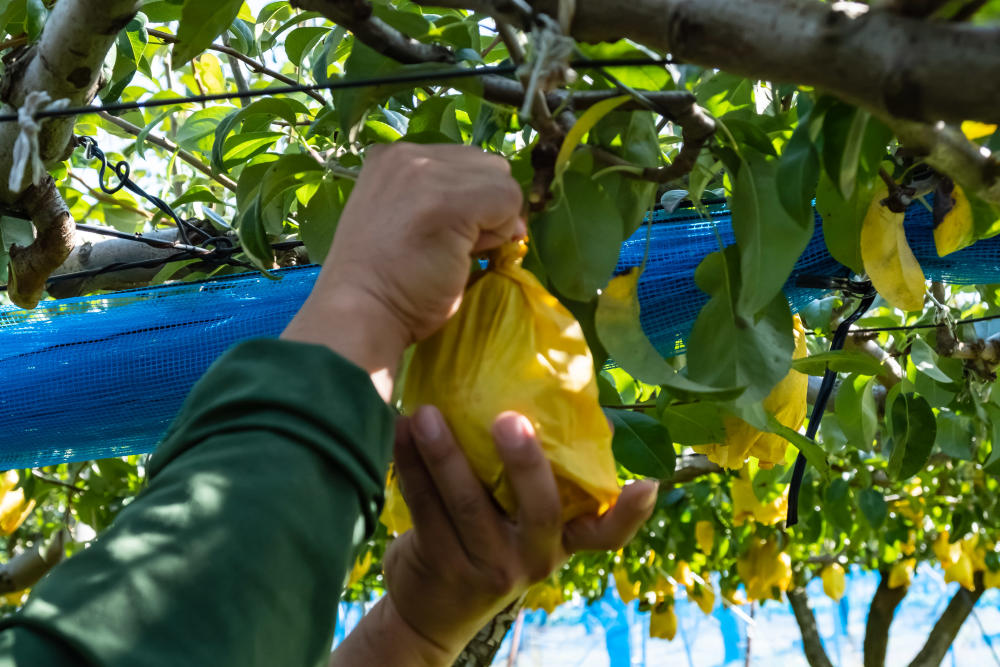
(513, 346)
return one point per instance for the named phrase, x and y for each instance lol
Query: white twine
(26, 157)
(548, 67)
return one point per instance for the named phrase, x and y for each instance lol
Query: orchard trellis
(774, 102)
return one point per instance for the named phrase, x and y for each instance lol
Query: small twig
(254, 66)
(170, 146)
(56, 482)
(14, 42)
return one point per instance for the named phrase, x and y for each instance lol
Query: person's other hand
(465, 560)
(402, 251)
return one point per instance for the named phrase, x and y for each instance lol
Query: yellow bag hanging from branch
(787, 402)
(513, 346)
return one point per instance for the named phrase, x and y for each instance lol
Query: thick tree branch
(946, 149)
(812, 643)
(880, 615)
(66, 63)
(27, 567)
(484, 646)
(171, 147)
(948, 625)
(30, 267)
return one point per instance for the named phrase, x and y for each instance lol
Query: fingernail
(649, 499)
(513, 430)
(427, 423)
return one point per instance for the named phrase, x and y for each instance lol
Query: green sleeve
(236, 552)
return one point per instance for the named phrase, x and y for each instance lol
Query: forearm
(236, 552)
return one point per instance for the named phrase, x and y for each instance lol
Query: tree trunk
(947, 627)
(811, 641)
(484, 646)
(880, 615)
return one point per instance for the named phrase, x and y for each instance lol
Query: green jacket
(236, 552)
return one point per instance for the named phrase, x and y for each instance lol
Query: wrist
(356, 326)
(367, 644)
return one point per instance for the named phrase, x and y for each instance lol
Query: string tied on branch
(26, 158)
(548, 65)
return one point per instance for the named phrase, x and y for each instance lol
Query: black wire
(406, 77)
(819, 407)
(908, 327)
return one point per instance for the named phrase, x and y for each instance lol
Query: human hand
(402, 252)
(465, 560)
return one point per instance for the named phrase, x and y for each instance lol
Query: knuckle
(499, 580)
(467, 508)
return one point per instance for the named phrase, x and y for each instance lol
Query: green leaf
(435, 116)
(619, 330)
(578, 237)
(318, 220)
(258, 113)
(808, 448)
(840, 361)
(992, 464)
(642, 444)
(913, 433)
(926, 361)
(201, 23)
(241, 147)
(873, 507)
(855, 406)
(253, 237)
(194, 133)
(769, 238)
(300, 41)
(798, 173)
(37, 14)
(955, 435)
(725, 350)
(842, 219)
(690, 424)
(843, 137)
(291, 170)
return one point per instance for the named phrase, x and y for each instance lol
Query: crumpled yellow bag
(513, 346)
(787, 401)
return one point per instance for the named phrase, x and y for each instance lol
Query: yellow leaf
(208, 69)
(975, 130)
(834, 581)
(583, 125)
(704, 535)
(513, 346)
(901, 573)
(361, 566)
(246, 14)
(887, 257)
(955, 230)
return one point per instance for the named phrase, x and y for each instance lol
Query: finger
(511, 230)
(477, 521)
(615, 528)
(539, 514)
(427, 511)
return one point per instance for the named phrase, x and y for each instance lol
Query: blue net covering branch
(101, 376)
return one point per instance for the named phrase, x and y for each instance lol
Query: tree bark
(947, 627)
(484, 646)
(27, 567)
(811, 641)
(880, 615)
(881, 61)
(65, 63)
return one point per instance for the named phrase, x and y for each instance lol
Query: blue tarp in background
(102, 376)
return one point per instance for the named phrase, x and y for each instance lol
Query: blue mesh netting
(101, 376)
